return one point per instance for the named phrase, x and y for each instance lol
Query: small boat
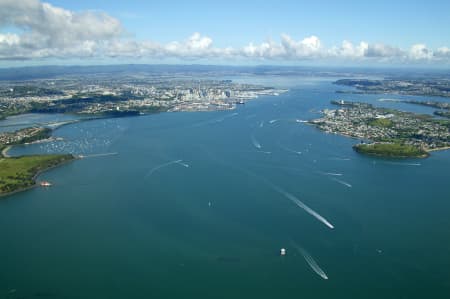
(45, 184)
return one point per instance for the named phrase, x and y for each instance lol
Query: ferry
(45, 184)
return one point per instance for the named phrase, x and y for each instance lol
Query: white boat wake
(292, 198)
(308, 210)
(311, 262)
(331, 173)
(273, 121)
(340, 159)
(264, 152)
(255, 142)
(342, 182)
(403, 164)
(154, 169)
(183, 164)
(290, 150)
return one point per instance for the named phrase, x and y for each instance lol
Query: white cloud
(265, 50)
(9, 39)
(307, 48)
(45, 31)
(420, 52)
(379, 50)
(289, 48)
(442, 52)
(195, 46)
(348, 50)
(51, 31)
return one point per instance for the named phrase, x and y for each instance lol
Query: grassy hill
(19, 172)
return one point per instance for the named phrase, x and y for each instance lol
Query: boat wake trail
(342, 182)
(273, 121)
(340, 159)
(264, 152)
(331, 173)
(289, 150)
(255, 142)
(311, 262)
(154, 169)
(403, 164)
(97, 155)
(308, 210)
(183, 164)
(261, 124)
(291, 197)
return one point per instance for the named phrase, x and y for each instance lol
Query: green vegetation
(393, 150)
(44, 133)
(381, 122)
(26, 135)
(19, 172)
(394, 133)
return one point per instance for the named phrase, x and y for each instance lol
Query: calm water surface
(133, 221)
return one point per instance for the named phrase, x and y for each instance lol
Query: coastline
(5, 152)
(438, 149)
(35, 184)
(394, 157)
(396, 137)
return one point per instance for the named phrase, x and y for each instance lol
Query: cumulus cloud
(348, 50)
(383, 51)
(307, 48)
(45, 31)
(420, 52)
(442, 52)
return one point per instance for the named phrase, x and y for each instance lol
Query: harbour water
(198, 205)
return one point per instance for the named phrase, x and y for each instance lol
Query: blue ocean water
(198, 205)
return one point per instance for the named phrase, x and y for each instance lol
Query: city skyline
(410, 33)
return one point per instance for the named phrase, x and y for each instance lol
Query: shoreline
(5, 151)
(438, 149)
(35, 184)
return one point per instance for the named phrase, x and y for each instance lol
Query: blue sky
(234, 23)
(390, 31)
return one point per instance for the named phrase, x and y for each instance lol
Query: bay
(129, 221)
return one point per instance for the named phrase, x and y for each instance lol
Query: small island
(386, 132)
(393, 150)
(19, 173)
